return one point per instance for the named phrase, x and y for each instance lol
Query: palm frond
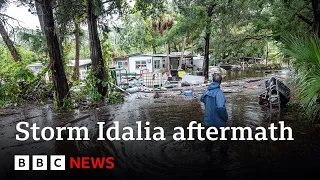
(306, 54)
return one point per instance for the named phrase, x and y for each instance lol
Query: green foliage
(306, 54)
(84, 45)
(17, 82)
(68, 104)
(67, 46)
(106, 49)
(235, 27)
(150, 8)
(68, 13)
(91, 88)
(113, 95)
(13, 79)
(212, 63)
(134, 35)
(115, 98)
(190, 24)
(281, 17)
(33, 43)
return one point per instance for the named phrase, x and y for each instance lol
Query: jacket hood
(214, 85)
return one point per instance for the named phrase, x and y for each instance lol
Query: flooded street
(171, 159)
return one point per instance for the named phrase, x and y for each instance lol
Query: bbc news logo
(60, 162)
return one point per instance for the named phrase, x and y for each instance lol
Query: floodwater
(171, 159)
(233, 75)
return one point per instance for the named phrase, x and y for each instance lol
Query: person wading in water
(215, 114)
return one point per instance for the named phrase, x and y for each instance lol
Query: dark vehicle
(226, 67)
(188, 66)
(275, 89)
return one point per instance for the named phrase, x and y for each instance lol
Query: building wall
(83, 74)
(37, 69)
(157, 64)
(83, 71)
(138, 63)
(119, 64)
(122, 64)
(198, 62)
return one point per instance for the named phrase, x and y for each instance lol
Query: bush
(13, 80)
(306, 63)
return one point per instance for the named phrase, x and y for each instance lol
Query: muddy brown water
(171, 159)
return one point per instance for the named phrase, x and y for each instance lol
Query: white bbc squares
(39, 162)
(57, 162)
(21, 162)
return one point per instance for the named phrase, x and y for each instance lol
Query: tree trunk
(77, 56)
(154, 50)
(316, 16)
(182, 52)
(205, 67)
(167, 60)
(45, 13)
(99, 70)
(192, 47)
(41, 22)
(40, 14)
(9, 43)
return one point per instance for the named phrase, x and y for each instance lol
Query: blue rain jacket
(215, 110)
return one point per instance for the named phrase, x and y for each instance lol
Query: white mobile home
(83, 67)
(36, 68)
(120, 62)
(145, 63)
(198, 61)
(140, 63)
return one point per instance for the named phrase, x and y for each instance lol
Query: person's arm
(221, 107)
(202, 98)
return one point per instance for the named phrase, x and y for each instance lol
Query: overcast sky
(27, 19)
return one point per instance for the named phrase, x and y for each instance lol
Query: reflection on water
(232, 75)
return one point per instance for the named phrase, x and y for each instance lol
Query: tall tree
(205, 67)
(45, 14)
(134, 34)
(161, 21)
(98, 65)
(286, 17)
(69, 21)
(316, 16)
(204, 12)
(77, 53)
(161, 25)
(182, 52)
(4, 33)
(8, 42)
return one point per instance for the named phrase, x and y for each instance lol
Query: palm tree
(161, 25)
(306, 62)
